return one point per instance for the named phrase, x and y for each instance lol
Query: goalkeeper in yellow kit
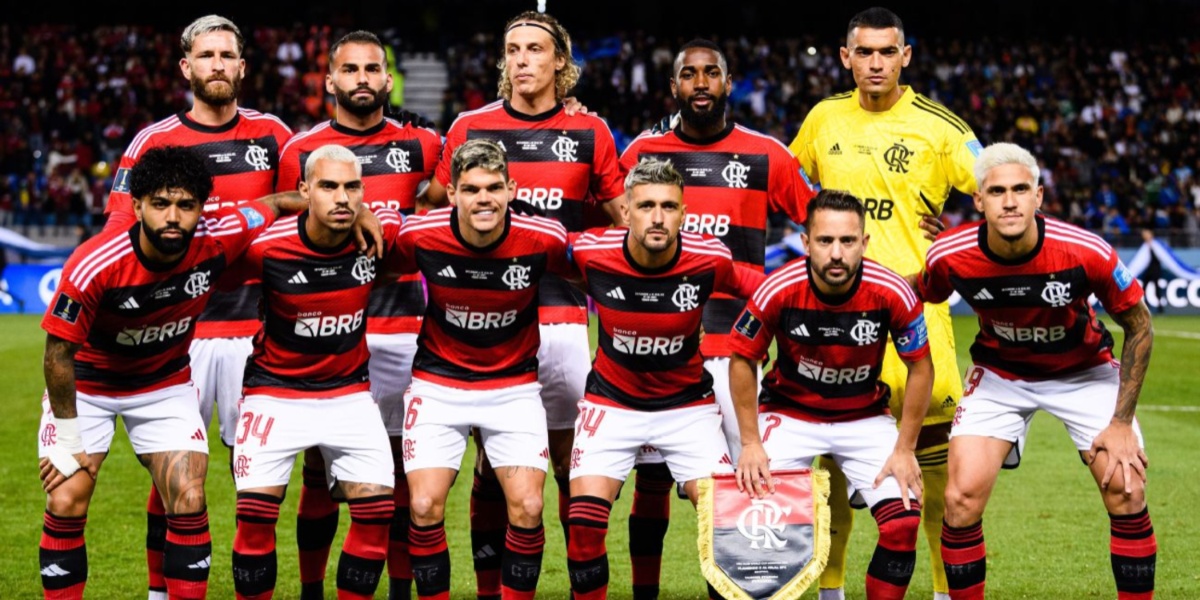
(901, 153)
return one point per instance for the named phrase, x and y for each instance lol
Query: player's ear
(905, 54)
(844, 52)
(388, 86)
(329, 84)
(185, 68)
(1039, 197)
(978, 199)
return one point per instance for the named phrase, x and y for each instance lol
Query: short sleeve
(1112, 282)
(753, 330)
(606, 181)
(960, 161)
(235, 227)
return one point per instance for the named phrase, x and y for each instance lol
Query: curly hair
(170, 167)
(564, 78)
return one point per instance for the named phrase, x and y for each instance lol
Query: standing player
(560, 162)
(307, 383)
(734, 178)
(1040, 347)
(900, 152)
(831, 313)
(396, 159)
(241, 149)
(118, 330)
(477, 363)
(648, 385)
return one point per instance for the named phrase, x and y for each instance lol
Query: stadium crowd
(1117, 125)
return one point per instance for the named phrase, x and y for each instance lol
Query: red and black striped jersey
(312, 343)
(649, 319)
(395, 160)
(480, 329)
(560, 164)
(242, 156)
(136, 318)
(830, 349)
(731, 183)
(1035, 319)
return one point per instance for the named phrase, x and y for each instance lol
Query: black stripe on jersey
(397, 299)
(240, 304)
(140, 300)
(316, 335)
(431, 363)
(941, 113)
(1058, 288)
(841, 96)
(395, 157)
(233, 157)
(650, 295)
(719, 169)
(483, 330)
(85, 371)
(720, 314)
(256, 376)
(940, 108)
(746, 244)
(478, 273)
(598, 385)
(825, 328)
(645, 354)
(556, 291)
(542, 145)
(313, 274)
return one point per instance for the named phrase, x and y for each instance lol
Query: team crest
(1057, 293)
(865, 332)
(398, 160)
(564, 149)
(736, 174)
(686, 297)
(364, 269)
(516, 277)
(197, 284)
(257, 157)
(897, 158)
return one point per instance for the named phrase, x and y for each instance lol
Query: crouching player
(648, 385)
(831, 313)
(1040, 347)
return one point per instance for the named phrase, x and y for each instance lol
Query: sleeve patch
(914, 336)
(67, 309)
(121, 181)
(1122, 276)
(975, 147)
(254, 219)
(748, 325)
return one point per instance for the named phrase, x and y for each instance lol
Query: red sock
(316, 526)
(254, 563)
(587, 553)
(62, 556)
(523, 549)
(399, 563)
(965, 557)
(1134, 555)
(365, 548)
(891, 567)
(156, 540)
(430, 561)
(648, 522)
(187, 556)
(489, 517)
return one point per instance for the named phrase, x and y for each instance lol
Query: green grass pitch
(1046, 530)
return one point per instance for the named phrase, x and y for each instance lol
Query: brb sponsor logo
(313, 325)
(468, 319)
(1037, 335)
(154, 333)
(717, 225)
(833, 375)
(629, 342)
(543, 198)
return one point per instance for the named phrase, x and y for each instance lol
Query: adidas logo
(204, 564)
(983, 295)
(54, 571)
(485, 551)
(616, 293)
(835, 150)
(199, 435)
(800, 331)
(130, 304)
(298, 278)
(448, 272)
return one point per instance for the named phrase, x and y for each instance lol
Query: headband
(558, 41)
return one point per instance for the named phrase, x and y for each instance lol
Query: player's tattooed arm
(354, 489)
(285, 203)
(58, 365)
(1135, 358)
(179, 476)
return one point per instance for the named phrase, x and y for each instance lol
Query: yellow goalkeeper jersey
(901, 162)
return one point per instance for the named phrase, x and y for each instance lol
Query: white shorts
(218, 365)
(439, 418)
(564, 360)
(993, 406)
(347, 429)
(719, 369)
(391, 373)
(165, 420)
(860, 448)
(608, 438)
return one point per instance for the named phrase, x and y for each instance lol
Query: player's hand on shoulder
(753, 471)
(408, 117)
(931, 226)
(368, 233)
(667, 123)
(525, 207)
(572, 106)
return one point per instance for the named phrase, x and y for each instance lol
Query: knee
(188, 501)
(526, 511)
(963, 506)
(67, 505)
(425, 509)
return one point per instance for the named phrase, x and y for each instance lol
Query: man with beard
(733, 178)
(563, 164)
(241, 149)
(901, 153)
(117, 345)
(831, 313)
(397, 158)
